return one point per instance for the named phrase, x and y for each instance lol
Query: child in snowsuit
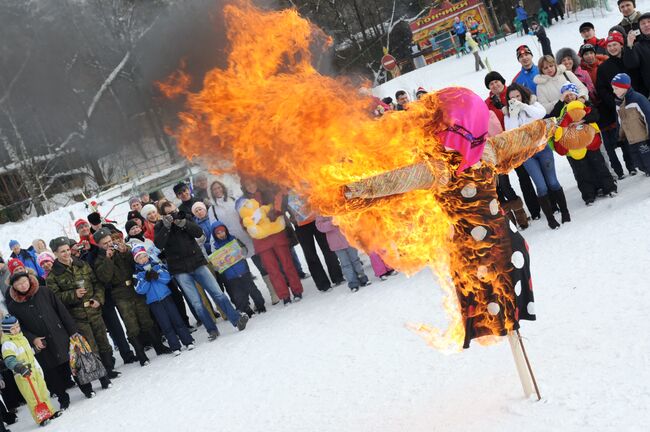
(348, 256)
(633, 113)
(152, 279)
(18, 356)
(591, 172)
(239, 280)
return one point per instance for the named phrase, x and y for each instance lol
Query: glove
(180, 222)
(23, 370)
(167, 221)
(151, 275)
(496, 101)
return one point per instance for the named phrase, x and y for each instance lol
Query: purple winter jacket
(335, 238)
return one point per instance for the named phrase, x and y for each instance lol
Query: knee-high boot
(560, 199)
(545, 204)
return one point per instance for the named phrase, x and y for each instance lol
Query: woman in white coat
(223, 209)
(523, 108)
(550, 80)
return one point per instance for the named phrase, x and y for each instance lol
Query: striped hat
(8, 322)
(622, 80)
(138, 250)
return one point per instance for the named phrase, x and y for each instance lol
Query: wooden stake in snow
(524, 369)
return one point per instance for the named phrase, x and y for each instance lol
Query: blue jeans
(170, 322)
(351, 266)
(541, 168)
(206, 279)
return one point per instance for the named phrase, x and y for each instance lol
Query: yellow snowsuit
(18, 347)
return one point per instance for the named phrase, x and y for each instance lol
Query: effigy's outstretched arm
(508, 150)
(422, 175)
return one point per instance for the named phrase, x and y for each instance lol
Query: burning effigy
(418, 185)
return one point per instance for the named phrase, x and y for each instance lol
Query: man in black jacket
(607, 107)
(176, 236)
(183, 193)
(636, 54)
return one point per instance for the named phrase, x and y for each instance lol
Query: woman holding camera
(522, 109)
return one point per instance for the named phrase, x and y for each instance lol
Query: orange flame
(270, 114)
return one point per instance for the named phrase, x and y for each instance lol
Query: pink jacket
(335, 238)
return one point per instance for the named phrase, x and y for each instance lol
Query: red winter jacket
(592, 69)
(498, 111)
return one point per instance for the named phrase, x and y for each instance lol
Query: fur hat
(493, 76)
(8, 322)
(94, 218)
(14, 264)
(56, 243)
(567, 52)
(621, 80)
(147, 209)
(45, 257)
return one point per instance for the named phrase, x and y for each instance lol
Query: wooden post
(526, 376)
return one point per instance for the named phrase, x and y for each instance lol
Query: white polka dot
(469, 191)
(518, 259)
(482, 272)
(478, 233)
(494, 207)
(518, 288)
(493, 308)
(513, 227)
(531, 308)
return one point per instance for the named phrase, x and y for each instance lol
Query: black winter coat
(607, 107)
(43, 315)
(638, 59)
(181, 250)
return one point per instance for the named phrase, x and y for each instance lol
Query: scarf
(22, 298)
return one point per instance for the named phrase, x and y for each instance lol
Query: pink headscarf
(467, 117)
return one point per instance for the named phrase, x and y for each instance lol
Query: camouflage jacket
(64, 280)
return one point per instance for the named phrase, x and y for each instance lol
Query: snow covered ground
(346, 362)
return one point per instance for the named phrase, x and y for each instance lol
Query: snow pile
(345, 362)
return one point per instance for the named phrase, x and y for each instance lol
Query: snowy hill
(346, 362)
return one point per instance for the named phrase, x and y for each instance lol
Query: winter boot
(560, 199)
(105, 382)
(64, 401)
(139, 351)
(269, 286)
(517, 207)
(545, 204)
(129, 357)
(107, 361)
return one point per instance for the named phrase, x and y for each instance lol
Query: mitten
(167, 221)
(23, 370)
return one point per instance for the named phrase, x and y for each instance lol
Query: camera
(116, 247)
(178, 215)
(636, 32)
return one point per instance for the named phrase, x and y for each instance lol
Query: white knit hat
(147, 209)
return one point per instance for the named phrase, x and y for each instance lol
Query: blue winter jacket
(521, 13)
(526, 78)
(460, 28)
(238, 269)
(155, 290)
(28, 257)
(205, 226)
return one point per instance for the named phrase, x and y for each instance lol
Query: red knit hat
(14, 264)
(615, 37)
(80, 222)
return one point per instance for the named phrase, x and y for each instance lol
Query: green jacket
(63, 281)
(116, 273)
